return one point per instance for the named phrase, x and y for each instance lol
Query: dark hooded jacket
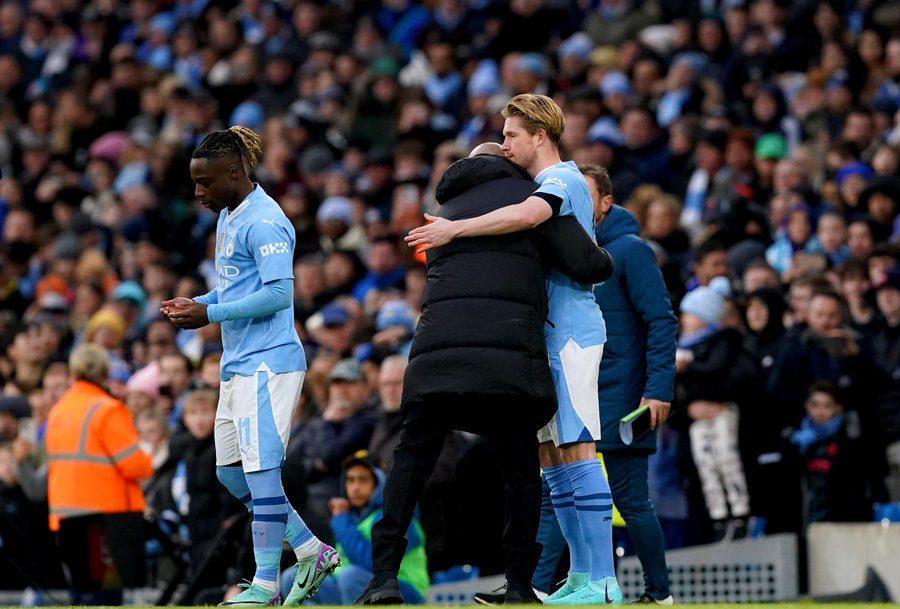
(765, 344)
(639, 355)
(481, 333)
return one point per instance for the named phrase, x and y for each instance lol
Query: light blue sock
(593, 502)
(557, 478)
(296, 532)
(232, 477)
(270, 510)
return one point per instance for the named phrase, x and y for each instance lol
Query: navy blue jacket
(639, 355)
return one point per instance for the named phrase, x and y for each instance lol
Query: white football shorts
(576, 371)
(253, 419)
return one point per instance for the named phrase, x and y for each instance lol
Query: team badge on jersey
(229, 249)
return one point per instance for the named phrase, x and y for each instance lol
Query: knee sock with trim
(561, 496)
(593, 503)
(297, 534)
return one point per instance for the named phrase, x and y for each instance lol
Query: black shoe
(520, 596)
(387, 593)
(646, 599)
(495, 597)
(504, 594)
(720, 531)
(738, 529)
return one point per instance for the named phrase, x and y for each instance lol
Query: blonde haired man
(575, 334)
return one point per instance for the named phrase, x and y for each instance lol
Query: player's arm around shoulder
(510, 219)
(572, 251)
(528, 214)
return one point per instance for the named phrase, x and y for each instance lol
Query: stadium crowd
(756, 143)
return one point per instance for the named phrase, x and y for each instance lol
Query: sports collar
(244, 204)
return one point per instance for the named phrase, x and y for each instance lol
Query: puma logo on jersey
(268, 222)
(274, 248)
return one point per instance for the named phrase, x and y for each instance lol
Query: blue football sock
(232, 477)
(296, 532)
(593, 502)
(270, 513)
(563, 504)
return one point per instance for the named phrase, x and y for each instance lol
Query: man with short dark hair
(645, 153)
(710, 260)
(639, 369)
(385, 269)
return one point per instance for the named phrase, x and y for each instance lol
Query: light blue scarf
(811, 432)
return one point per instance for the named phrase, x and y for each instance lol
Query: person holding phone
(826, 350)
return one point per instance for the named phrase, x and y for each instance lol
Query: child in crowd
(195, 500)
(713, 377)
(153, 433)
(831, 236)
(351, 522)
(832, 460)
(797, 236)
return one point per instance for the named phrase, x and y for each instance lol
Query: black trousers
(103, 553)
(425, 426)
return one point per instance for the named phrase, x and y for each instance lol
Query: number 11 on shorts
(243, 427)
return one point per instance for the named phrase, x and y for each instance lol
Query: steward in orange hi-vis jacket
(92, 446)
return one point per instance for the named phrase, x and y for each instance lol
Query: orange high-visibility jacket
(94, 459)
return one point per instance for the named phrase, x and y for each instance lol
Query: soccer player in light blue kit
(263, 363)
(575, 335)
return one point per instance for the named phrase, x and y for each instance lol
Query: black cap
(379, 156)
(717, 138)
(362, 457)
(15, 405)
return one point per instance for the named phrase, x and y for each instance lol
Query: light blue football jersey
(255, 245)
(574, 312)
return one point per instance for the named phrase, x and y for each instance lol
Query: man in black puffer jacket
(478, 360)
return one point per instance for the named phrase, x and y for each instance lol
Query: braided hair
(235, 141)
